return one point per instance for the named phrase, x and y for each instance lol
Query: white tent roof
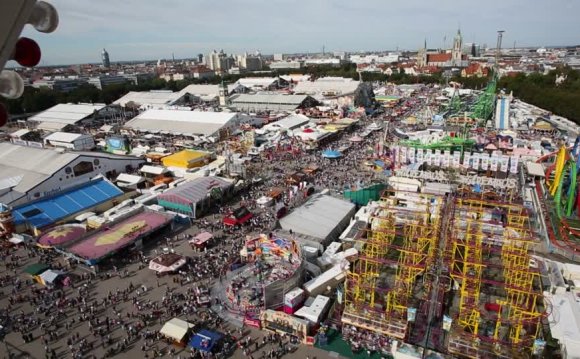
(19, 133)
(49, 276)
(64, 137)
(176, 329)
(535, 169)
(319, 217)
(129, 180)
(564, 319)
(314, 311)
(66, 114)
(329, 85)
(289, 122)
(263, 82)
(154, 170)
(201, 90)
(140, 98)
(183, 122)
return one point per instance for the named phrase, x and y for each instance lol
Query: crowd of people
(119, 310)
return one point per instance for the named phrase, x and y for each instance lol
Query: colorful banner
(514, 161)
(467, 161)
(252, 322)
(475, 161)
(411, 314)
(395, 155)
(419, 156)
(504, 163)
(494, 161)
(484, 161)
(456, 159)
(429, 157)
(446, 159)
(447, 323)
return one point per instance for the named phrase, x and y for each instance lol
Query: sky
(156, 29)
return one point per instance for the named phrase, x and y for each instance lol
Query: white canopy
(176, 329)
(49, 276)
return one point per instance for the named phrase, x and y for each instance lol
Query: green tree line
(542, 91)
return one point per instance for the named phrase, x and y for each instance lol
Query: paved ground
(157, 288)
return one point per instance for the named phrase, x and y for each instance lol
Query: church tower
(223, 94)
(422, 55)
(456, 52)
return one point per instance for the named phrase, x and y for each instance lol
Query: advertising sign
(404, 151)
(446, 159)
(428, 157)
(475, 161)
(494, 161)
(514, 161)
(504, 163)
(456, 159)
(484, 161)
(411, 314)
(467, 162)
(447, 323)
(419, 156)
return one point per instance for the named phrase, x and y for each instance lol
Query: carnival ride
(482, 108)
(559, 197)
(398, 249)
(427, 256)
(500, 302)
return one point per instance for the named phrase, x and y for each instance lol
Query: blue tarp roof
(380, 163)
(204, 334)
(331, 154)
(54, 208)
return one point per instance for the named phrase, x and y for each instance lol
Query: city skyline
(139, 30)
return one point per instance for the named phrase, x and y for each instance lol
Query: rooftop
(318, 217)
(67, 114)
(141, 98)
(49, 210)
(181, 122)
(64, 137)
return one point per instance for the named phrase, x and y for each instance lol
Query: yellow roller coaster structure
(489, 247)
(400, 244)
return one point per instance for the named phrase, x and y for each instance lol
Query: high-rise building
(219, 61)
(250, 62)
(105, 59)
(472, 49)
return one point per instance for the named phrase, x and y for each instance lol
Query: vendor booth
(167, 263)
(177, 330)
(238, 217)
(201, 240)
(205, 340)
(283, 323)
(35, 270)
(51, 278)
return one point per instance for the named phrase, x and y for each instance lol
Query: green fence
(363, 196)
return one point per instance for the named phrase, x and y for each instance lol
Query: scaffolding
(499, 298)
(400, 244)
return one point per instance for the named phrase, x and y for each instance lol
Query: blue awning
(205, 340)
(331, 154)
